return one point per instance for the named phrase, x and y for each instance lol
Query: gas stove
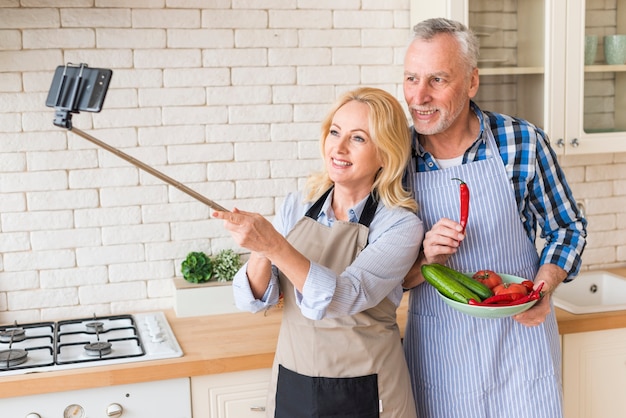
(84, 342)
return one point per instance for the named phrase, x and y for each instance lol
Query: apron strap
(366, 216)
(369, 210)
(314, 210)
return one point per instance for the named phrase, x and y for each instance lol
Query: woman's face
(351, 156)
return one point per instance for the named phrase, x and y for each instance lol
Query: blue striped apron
(469, 367)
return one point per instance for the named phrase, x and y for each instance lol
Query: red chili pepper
(503, 298)
(522, 301)
(509, 299)
(465, 197)
(534, 295)
(474, 302)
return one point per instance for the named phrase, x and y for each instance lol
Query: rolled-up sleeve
(564, 229)
(245, 300)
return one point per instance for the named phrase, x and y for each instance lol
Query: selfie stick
(150, 170)
(63, 118)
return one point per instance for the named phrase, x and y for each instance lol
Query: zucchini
(475, 286)
(447, 285)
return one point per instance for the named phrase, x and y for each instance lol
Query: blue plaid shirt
(543, 196)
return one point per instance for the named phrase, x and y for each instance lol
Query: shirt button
(430, 164)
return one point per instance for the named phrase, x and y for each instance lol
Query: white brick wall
(225, 96)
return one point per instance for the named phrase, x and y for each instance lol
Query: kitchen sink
(592, 291)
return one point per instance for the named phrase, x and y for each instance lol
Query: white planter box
(211, 298)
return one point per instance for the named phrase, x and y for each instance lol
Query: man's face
(437, 83)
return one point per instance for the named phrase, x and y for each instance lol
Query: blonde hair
(389, 131)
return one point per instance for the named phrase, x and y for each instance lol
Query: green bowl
(488, 311)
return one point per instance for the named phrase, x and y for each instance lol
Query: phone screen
(79, 88)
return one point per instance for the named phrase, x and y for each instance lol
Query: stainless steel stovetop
(84, 342)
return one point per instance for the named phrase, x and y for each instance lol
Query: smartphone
(78, 87)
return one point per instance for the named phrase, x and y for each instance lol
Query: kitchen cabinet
(594, 374)
(532, 66)
(230, 395)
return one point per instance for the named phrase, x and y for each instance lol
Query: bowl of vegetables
(482, 294)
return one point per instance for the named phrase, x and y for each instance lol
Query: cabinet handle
(257, 408)
(574, 142)
(560, 143)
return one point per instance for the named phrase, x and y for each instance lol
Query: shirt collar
(354, 213)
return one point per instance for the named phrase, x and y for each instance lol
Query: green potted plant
(204, 288)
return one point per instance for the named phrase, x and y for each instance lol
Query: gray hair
(468, 41)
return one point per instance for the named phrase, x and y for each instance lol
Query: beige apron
(351, 366)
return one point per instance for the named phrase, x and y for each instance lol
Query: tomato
(529, 285)
(510, 288)
(489, 278)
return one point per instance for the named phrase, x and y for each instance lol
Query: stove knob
(115, 410)
(158, 338)
(33, 415)
(74, 411)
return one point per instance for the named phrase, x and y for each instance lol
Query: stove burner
(12, 357)
(67, 344)
(100, 348)
(12, 335)
(94, 327)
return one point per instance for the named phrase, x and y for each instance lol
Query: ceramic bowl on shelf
(489, 311)
(591, 49)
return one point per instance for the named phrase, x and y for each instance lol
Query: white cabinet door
(230, 395)
(532, 66)
(595, 108)
(594, 374)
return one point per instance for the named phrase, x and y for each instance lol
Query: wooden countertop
(227, 343)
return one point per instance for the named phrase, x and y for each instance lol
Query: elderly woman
(338, 253)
